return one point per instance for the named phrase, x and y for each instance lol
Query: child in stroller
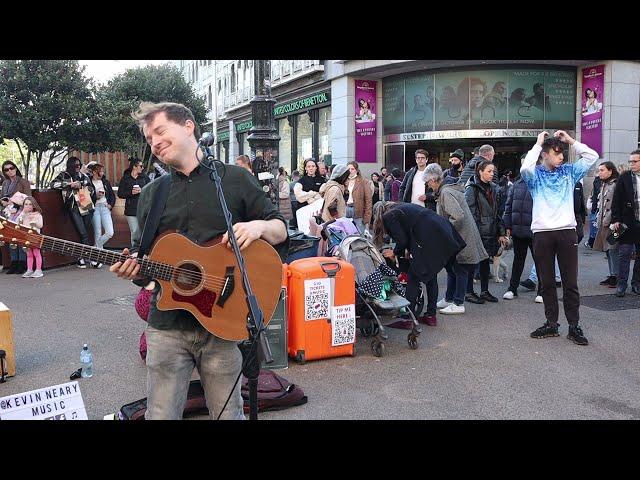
(378, 292)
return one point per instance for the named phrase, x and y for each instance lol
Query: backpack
(274, 393)
(195, 404)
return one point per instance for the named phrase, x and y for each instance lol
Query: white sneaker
(442, 304)
(82, 263)
(37, 274)
(453, 309)
(539, 299)
(27, 274)
(498, 280)
(508, 295)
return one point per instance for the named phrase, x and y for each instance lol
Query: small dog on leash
(500, 268)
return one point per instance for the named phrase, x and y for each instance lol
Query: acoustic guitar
(203, 280)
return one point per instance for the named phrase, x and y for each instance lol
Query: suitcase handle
(331, 272)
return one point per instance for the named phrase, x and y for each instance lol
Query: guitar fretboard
(148, 268)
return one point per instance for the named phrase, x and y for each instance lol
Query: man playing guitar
(176, 341)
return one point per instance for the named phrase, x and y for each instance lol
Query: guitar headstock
(18, 235)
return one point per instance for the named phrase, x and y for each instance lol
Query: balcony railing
(282, 71)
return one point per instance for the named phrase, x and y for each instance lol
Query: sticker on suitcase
(343, 325)
(316, 298)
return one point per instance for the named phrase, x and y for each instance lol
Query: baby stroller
(371, 302)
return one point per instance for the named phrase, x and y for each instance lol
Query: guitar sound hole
(187, 277)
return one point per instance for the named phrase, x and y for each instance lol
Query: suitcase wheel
(300, 357)
(378, 348)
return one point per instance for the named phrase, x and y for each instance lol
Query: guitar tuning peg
(24, 249)
(13, 246)
(1, 243)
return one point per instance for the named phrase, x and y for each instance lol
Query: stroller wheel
(378, 348)
(413, 341)
(365, 331)
(370, 330)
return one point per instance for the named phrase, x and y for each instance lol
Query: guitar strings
(209, 280)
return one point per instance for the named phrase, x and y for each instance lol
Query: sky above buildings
(104, 70)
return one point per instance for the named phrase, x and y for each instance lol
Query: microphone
(206, 139)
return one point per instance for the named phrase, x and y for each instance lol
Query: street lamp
(263, 136)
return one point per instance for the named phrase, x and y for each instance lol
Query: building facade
(379, 112)
(448, 104)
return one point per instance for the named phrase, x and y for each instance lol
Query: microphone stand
(255, 323)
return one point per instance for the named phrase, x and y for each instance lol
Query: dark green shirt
(193, 209)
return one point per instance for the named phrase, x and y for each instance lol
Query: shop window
(304, 141)
(284, 130)
(324, 135)
(246, 148)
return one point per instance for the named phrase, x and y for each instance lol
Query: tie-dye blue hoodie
(552, 190)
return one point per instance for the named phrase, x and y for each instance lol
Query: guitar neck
(148, 267)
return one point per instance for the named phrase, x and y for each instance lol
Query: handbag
(83, 197)
(615, 235)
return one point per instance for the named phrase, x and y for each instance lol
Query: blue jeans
(534, 276)
(18, 255)
(593, 227)
(625, 251)
(171, 357)
(613, 257)
(102, 220)
(457, 275)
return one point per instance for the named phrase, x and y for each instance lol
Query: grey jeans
(132, 220)
(171, 357)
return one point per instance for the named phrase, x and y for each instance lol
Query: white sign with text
(60, 402)
(316, 298)
(343, 325)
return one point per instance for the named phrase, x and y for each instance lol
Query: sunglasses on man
(7, 169)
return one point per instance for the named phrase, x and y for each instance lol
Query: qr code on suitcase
(343, 325)
(316, 299)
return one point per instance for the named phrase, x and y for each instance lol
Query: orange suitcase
(316, 285)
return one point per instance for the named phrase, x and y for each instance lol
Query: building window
(275, 69)
(243, 144)
(233, 78)
(324, 135)
(224, 153)
(304, 142)
(284, 154)
(210, 98)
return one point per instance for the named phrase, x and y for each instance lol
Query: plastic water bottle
(86, 358)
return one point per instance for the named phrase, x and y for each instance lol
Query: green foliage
(124, 93)
(48, 106)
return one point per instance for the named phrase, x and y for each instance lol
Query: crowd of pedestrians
(541, 211)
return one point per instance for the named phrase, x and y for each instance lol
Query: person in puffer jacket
(517, 221)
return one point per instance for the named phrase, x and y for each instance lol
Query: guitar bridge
(227, 288)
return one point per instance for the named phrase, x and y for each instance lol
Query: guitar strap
(152, 222)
